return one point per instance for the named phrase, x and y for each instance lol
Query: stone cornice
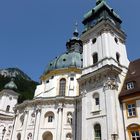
(47, 101)
(8, 118)
(60, 71)
(102, 70)
(104, 59)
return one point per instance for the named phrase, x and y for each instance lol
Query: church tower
(105, 65)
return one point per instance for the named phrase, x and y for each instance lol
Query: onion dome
(71, 58)
(11, 85)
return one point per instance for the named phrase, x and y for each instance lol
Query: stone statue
(33, 118)
(68, 137)
(69, 118)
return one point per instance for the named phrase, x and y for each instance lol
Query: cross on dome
(99, 1)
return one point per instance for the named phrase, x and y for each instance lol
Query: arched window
(95, 58)
(97, 132)
(18, 136)
(47, 136)
(134, 131)
(50, 117)
(8, 108)
(118, 57)
(96, 102)
(62, 87)
(69, 136)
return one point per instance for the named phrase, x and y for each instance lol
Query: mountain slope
(26, 86)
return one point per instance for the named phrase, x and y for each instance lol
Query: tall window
(95, 58)
(135, 135)
(96, 102)
(118, 57)
(62, 87)
(131, 110)
(97, 132)
(50, 118)
(8, 108)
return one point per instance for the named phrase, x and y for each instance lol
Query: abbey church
(90, 92)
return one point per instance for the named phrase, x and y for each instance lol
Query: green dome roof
(66, 60)
(11, 85)
(72, 57)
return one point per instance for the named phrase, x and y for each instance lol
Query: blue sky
(33, 32)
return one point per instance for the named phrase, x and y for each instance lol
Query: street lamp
(114, 136)
(3, 132)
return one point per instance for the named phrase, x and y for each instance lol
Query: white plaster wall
(109, 114)
(44, 126)
(6, 100)
(51, 89)
(106, 47)
(90, 117)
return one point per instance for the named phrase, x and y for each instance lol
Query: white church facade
(79, 94)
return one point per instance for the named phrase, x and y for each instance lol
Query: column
(37, 124)
(23, 134)
(59, 124)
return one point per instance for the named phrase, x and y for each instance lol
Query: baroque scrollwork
(83, 93)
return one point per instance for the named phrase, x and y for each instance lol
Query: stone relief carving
(60, 106)
(29, 137)
(9, 130)
(22, 119)
(111, 84)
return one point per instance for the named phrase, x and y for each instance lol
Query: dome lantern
(75, 44)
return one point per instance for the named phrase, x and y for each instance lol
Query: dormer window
(130, 85)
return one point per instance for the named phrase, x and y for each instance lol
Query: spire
(76, 33)
(11, 85)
